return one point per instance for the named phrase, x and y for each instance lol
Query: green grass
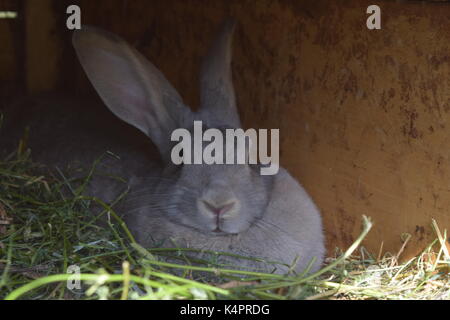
(44, 231)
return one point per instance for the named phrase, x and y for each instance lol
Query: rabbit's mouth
(222, 229)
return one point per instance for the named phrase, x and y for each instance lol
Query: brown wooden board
(364, 115)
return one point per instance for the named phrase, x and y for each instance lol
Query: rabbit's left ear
(218, 101)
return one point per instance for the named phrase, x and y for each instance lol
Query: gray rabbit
(231, 208)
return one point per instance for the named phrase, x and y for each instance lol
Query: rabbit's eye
(182, 157)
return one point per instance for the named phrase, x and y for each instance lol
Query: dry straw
(43, 231)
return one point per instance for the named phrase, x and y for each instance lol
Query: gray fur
(270, 217)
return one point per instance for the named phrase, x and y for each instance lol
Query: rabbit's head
(217, 198)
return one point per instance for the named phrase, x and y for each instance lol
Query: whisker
(149, 207)
(156, 200)
(151, 189)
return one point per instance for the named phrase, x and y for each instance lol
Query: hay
(43, 232)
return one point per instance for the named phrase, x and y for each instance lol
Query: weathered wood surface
(364, 116)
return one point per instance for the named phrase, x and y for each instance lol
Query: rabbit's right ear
(132, 87)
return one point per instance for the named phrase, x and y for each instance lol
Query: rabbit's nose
(219, 210)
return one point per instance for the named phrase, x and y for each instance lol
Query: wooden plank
(11, 53)
(43, 47)
(363, 115)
